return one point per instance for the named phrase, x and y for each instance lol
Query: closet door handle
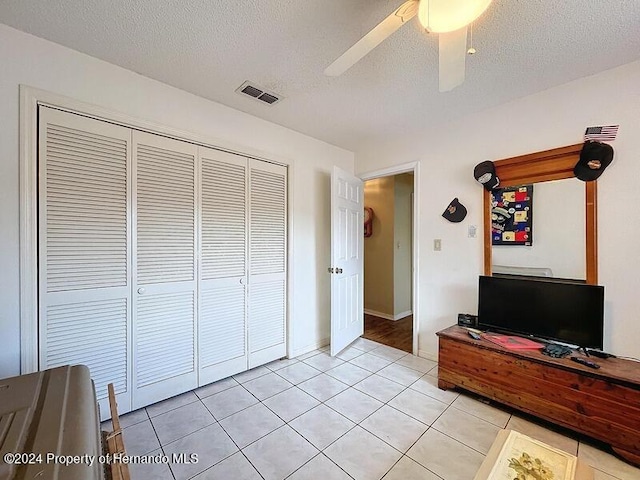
(242, 281)
(141, 290)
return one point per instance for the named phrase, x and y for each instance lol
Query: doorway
(388, 260)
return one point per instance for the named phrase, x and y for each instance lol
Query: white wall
(558, 232)
(402, 247)
(553, 118)
(378, 248)
(38, 63)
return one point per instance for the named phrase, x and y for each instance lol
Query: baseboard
(309, 348)
(401, 315)
(388, 316)
(375, 313)
(428, 355)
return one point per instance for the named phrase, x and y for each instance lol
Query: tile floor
(373, 412)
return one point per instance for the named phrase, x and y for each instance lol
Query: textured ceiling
(210, 47)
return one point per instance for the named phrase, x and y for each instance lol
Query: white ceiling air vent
(259, 93)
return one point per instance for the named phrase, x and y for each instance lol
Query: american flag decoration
(601, 134)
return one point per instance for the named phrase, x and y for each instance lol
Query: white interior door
(222, 321)
(267, 262)
(347, 259)
(165, 243)
(84, 259)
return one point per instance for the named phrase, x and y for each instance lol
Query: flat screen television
(567, 312)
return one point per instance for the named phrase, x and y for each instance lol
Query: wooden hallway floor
(397, 334)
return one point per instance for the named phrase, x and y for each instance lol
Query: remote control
(600, 354)
(475, 336)
(585, 362)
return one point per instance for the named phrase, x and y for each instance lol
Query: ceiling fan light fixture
(441, 16)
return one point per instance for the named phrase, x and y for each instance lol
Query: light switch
(473, 231)
(437, 244)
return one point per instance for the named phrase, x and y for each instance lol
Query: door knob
(242, 281)
(141, 290)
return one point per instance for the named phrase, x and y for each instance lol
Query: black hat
(455, 212)
(485, 173)
(594, 158)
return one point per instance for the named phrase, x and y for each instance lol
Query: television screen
(568, 312)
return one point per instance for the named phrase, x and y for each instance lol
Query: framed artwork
(512, 215)
(523, 457)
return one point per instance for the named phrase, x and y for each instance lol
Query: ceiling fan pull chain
(428, 14)
(471, 50)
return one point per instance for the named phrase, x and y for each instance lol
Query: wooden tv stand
(603, 404)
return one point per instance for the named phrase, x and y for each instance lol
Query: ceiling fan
(448, 18)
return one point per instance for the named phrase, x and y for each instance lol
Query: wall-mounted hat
(485, 173)
(594, 158)
(455, 212)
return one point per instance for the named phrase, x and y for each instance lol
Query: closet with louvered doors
(162, 264)
(84, 254)
(222, 335)
(164, 274)
(243, 264)
(267, 262)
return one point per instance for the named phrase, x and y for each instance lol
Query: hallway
(397, 334)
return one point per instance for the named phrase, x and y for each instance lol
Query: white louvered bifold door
(222, 322)
(165, 302)
(267, 261)
(84, 232)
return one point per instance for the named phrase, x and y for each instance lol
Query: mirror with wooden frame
(548, 165)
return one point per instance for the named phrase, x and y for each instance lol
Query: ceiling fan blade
(371, 40)
(452, 56)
